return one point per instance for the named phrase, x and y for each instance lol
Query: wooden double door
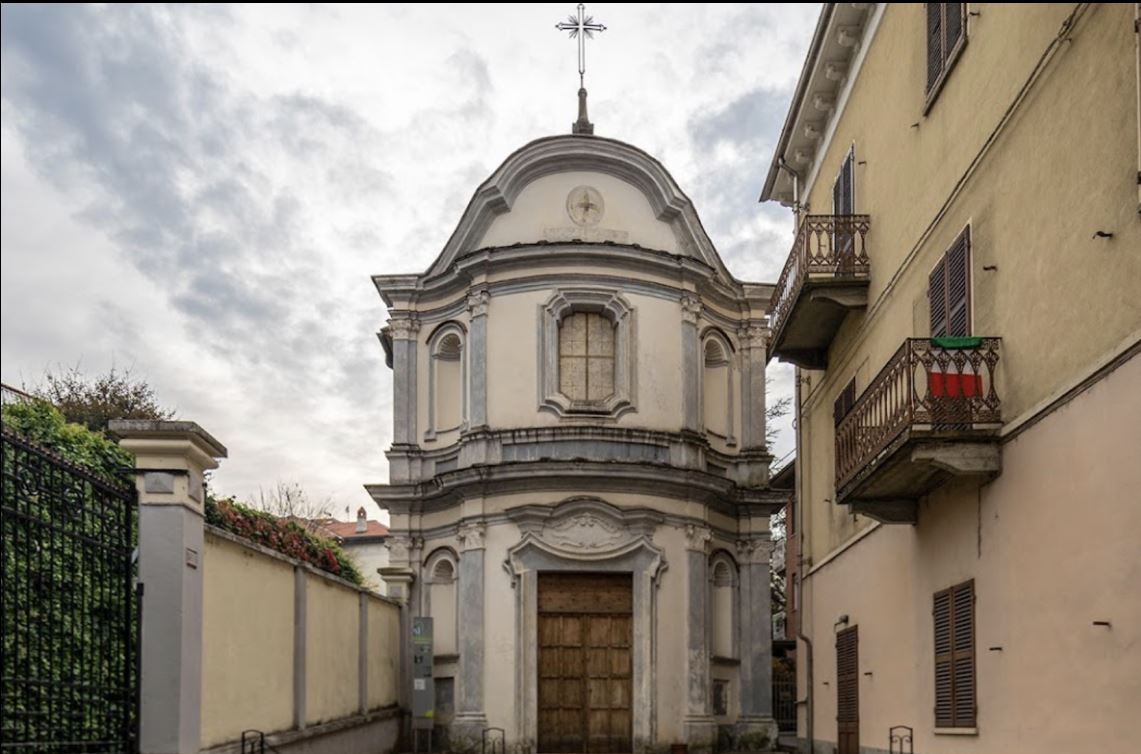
(585, 663)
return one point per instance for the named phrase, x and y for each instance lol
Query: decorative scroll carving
(588, 531)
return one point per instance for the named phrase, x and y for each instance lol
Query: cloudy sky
(201, 193)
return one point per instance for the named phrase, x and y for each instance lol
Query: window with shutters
(844, 203)
(946, 35)
(955, 686)
(949, 290)
(844, 402)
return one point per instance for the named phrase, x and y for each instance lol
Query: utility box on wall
(423, 691)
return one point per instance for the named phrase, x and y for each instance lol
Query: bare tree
(94, 401)
(290, 500)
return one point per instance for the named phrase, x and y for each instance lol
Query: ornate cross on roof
(582, 29)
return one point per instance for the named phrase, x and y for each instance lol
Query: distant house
(363, 540)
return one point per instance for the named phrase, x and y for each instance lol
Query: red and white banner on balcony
(951, 377)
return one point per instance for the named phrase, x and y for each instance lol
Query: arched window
(717, 388)
(447, 407)
(441, 582)
(586, 357)
(723, 578)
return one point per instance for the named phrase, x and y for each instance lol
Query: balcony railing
(826, 245)
(940, 387)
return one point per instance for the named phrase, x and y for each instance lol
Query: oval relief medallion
(584, 205)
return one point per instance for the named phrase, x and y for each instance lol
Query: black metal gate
(68, 648)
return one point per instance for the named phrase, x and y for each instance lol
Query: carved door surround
(585, 535)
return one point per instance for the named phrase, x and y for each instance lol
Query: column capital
(697, 538)
(690, 308)
(477, 303)
(757, 549)
(753, 337)
(403, 328)
(471, 535)
(401, 547)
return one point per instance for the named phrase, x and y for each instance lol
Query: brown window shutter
(963, 654)
(955, 681)
(959, 286)
(935, 55)
(937, 298)
(844, 402)
(944, 687)
(953, 22)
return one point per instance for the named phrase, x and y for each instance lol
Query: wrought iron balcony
(932, 413)
(825, 276)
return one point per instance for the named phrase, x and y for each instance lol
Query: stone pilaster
(752, 340)
(700, 728)
(691, 370)
(404, 331)
(470, 719)
(477, 304)
(756, 729)
(171, 457)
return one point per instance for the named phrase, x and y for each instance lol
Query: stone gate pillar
(171, 457)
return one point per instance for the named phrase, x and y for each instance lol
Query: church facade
(579, 477)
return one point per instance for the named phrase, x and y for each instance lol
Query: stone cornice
(586, 476)
(404, 291)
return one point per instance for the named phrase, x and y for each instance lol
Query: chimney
(362, 520)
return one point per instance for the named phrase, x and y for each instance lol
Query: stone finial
(582, 126)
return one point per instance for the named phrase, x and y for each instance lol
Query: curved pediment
(584, 528)
(581, 188)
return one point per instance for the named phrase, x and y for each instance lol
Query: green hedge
(43, 424)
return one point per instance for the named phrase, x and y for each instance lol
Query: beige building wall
(247, 632)
(1052, 547)
(1051, 543)
(1063, 168)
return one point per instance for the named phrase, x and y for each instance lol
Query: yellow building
(963, 303)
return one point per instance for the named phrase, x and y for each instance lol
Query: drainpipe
(799, 506)
(807, 701)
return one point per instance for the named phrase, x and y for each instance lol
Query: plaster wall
(1061, 169)
(383, 653)
(332, 625)
(1052, 547)
(245, 592)
(542, 205)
